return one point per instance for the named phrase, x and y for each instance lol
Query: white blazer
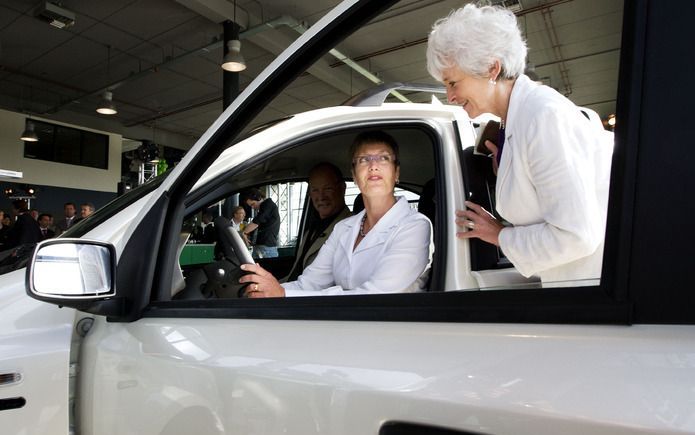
(389, 259)
(552, 185)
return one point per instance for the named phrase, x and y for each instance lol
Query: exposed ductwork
(322, 72)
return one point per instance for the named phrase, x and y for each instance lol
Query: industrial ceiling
(161, 58)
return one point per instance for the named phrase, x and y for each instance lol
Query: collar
(522, 87)
(382, 230)
(388, 220)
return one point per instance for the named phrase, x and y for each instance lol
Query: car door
(34, 361)
(502, 362)
(125, 366)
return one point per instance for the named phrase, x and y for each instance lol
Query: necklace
(362, 233)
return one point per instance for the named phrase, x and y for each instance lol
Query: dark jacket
(311, 243)
(49, 234)
(268, 221)
(25, 230)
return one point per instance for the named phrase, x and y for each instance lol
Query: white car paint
(298, 377)
(208, 376)
(34, 342)
(271, 376)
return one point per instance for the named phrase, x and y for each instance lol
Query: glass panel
(290, 200)
(72, 269)
(95, 150)
(571, 63)
(43, 149)
(67, 145)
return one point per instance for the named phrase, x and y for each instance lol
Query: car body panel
(217, 375)
(271, 376)
(35, 342)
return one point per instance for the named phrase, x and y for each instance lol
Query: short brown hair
(374, 136)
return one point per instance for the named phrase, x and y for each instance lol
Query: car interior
(213, 271)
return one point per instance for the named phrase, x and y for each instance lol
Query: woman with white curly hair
(552, 163)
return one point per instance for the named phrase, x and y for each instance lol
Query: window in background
(61, 144)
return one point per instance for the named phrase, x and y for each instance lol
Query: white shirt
(390, 259)
(552, 185)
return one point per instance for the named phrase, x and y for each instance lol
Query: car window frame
(567, 305)
(215, 188)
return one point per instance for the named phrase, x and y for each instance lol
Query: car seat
(358, 204)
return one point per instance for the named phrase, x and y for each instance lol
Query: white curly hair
(473, 38)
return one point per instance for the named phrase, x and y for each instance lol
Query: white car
(146, 342)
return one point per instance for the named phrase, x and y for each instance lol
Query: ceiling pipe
(217, 44)
(301, 28)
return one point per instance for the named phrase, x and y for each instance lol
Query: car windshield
(16, 258)
(113, 207)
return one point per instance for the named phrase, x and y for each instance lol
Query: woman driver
(383, 249)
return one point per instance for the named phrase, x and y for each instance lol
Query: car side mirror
(64, 270)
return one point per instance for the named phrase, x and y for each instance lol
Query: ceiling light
(106, 106)
(29, 134)
(233, 61)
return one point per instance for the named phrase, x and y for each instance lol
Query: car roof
(325, 135)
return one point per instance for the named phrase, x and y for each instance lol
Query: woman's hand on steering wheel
(261, 283)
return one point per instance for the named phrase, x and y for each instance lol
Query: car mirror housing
(75, 273)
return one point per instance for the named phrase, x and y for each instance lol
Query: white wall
(51, 173)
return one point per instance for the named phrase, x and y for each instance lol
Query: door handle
(7, 379)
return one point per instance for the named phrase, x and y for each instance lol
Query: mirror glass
(72, 269)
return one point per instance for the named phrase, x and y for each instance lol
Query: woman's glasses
(380, 159)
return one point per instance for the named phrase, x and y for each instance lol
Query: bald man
(327, 193)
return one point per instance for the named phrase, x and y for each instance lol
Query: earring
(493, 82)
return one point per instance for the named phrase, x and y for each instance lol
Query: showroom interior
(97, 98)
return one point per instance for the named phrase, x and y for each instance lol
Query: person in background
(34, 213)
(383, 249)
(52, 225)
(267, 221)
(208, 234)
(44, 221)
(327, 193)
(25, 229)
(7, 220)
(86, 210)
(238, 216)
(69, 211)
(553, 163)
(4, 228)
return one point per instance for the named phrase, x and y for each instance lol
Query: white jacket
(389, 259)
(552, 185)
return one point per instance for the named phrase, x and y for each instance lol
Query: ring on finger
(470, 224)
(255, 287)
